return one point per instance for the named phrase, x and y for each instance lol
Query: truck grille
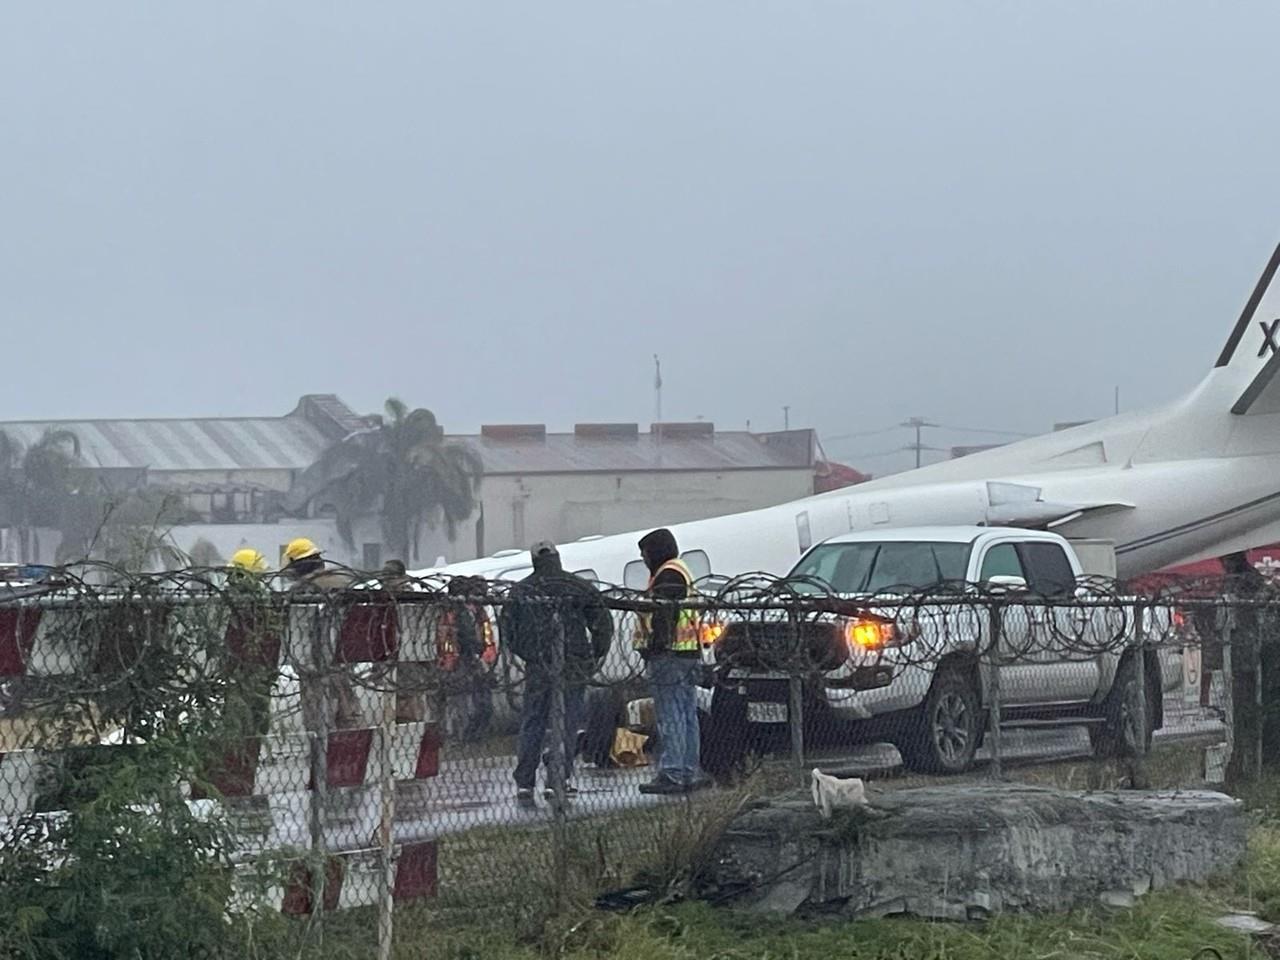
(782, 646)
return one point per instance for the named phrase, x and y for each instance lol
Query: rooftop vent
(514, 431)
(607, 431)
(683, 431)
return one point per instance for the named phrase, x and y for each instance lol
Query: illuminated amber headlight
(710, 632)
(870, 634)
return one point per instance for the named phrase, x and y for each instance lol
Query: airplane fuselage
(1197, 477)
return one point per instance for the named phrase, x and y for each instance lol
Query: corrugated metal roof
(241, 443)
(295, 442)
(569, 453)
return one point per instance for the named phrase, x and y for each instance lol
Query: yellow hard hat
(247, 558)
(300, 549)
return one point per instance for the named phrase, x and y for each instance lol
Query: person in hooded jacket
(551, 607)
(668, 641)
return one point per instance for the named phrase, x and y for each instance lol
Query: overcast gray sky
(988, 214)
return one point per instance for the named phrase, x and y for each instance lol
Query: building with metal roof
(607, 478)
(241, 475)
(191, 449)
(622, 448)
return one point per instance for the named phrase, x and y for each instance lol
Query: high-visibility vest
(449, 650)
(686, 639)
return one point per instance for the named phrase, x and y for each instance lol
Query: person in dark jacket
(668, 641)
(549, 613)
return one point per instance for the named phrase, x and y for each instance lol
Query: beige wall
(558, 507)
(267, 479)
(561, 507)
(271, 537)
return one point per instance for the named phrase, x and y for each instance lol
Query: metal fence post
(387, 815)
(1139, 705)
(795, 695)
(557, 764)
(1228, 683)
(993, 688)
(1257, 702)
(321, 663)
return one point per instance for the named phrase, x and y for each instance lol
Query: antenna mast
(657, 389)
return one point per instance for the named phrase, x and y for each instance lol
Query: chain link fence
(326, 768)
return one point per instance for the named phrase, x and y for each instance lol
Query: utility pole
(657, 389)
(786, 418)
(918, 424)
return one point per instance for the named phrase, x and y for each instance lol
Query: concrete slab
(954, 851)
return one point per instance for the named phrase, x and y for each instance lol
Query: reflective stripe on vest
(686, 638)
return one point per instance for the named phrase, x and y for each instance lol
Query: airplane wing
(1020, 505)
(1047, 514)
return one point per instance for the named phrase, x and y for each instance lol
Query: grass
(1174, 924)
(1170, 925)
(498, 900)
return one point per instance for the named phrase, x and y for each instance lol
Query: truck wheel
(948, 726)
(1117, 735)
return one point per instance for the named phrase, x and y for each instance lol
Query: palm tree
(403, 470)
(136, 530)
(38, 484)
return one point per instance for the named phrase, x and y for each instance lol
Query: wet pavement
(479, 793)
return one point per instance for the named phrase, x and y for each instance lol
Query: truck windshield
(872, 567)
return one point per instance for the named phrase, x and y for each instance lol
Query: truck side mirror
(1006, 583)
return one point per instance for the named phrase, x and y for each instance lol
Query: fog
(986, 214)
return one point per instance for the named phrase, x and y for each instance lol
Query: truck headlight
(869, 635)
(710, 632)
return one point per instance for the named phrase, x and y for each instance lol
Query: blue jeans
(673, 681)
(534, 720)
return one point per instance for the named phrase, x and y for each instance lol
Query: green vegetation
(1169, 925)
(403, 471)
(46, 486)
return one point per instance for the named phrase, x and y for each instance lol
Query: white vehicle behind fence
(913, 661)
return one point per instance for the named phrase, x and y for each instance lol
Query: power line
(863, 433)
(918, 424)
(999, 433)
(881, 453)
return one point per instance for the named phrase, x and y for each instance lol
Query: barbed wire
(100, 624)
(259, 688)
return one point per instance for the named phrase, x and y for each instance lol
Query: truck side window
(698, 562)
(1001, 561)
(1049, 571)
(635, 575)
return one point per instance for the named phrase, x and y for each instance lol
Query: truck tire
(947, 727)
(1115, 737)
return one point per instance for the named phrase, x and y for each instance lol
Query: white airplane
(1196, 478)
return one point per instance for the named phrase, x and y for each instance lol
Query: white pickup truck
(921, 674)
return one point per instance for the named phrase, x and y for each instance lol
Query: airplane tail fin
(1251, 355)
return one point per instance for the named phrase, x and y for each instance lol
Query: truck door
(1073, 631)
(1022, 628)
